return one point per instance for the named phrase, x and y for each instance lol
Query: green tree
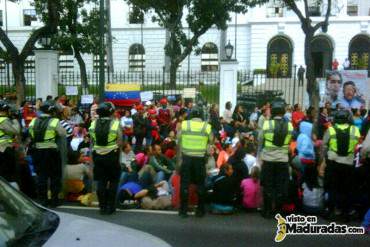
(199, 15)
(11, 54)
(78, 31)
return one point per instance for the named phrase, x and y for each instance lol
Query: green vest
(195, 137)
(50, 132)
(4, 138)
(268, 136)
(112, 135)
(354, 136)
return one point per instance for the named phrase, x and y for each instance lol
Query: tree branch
(307, 13)
(9, 46)
(326, 20)
(30, 44)
(291, 4)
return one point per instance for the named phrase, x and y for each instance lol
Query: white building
(264, 35)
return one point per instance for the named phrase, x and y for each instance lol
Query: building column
(228, 83)
(46, 66)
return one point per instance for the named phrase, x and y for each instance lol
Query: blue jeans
(160, 177)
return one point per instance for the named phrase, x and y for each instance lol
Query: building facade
(263, 37)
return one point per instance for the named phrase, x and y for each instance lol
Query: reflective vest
(354, 135)
(268, 136)
(112, 135)
(50, 133)
(4, 138)
(194, 137)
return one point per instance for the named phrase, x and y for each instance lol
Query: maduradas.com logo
(307, 225)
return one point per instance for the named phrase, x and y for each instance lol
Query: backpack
(40, 127)
(102, 129)
(343, 136)
(280, 132)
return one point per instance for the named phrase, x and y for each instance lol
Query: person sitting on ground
(77, 175)
(251, 189)
(128, 163)
(224, 154)
(224, 193)
(161, 164)
(250, 159)
(313, 192)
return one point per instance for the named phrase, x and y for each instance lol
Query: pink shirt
(252, 197)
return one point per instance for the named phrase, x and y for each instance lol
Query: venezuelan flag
(122, 94)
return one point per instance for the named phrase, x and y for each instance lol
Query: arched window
(209, 57)
(359, 50)
(136, 57)
(322, 54)
(279, 57)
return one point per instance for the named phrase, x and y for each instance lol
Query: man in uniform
(106, 135)
(8, 130)
(339, 143)
(274, 140)
(45, 132)
(194, 139)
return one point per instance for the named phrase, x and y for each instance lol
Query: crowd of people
(274, 158)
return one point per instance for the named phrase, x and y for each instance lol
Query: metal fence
(253, 88)
(205, 83)
(258, 88)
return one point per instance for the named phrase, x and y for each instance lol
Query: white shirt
(250, 161)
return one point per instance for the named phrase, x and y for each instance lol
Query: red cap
(163, 101)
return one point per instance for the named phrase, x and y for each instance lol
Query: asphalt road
(243, 229)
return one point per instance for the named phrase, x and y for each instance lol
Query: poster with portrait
(346, 89)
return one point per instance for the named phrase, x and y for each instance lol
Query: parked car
(24, 223)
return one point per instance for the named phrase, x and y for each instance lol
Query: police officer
(106, 135)
(274, 140)
(194, 138)
(47, 136)
(9, 129)
(339, 142)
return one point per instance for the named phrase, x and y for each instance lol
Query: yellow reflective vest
(354, 137)
(4, 138)
(112, 135)
(195, 137)
(268, 136)
(50, 133)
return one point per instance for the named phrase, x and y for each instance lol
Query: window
(352, 8)
(314, 8)
(1, 18)
(279, 57)
(66, 61)
(136, 16)
(96, 63)
(359, 52)
(136, 58)
(275, 8)
(29, 15)
(209, 57)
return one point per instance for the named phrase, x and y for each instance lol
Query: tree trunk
(173, 70)
(312, 88)
(20, 80)
(83, 74)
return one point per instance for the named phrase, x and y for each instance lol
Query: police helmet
(48, 107)
(105, 109)
(342, 117)
(196, 112)
(278, 107)
(4, 106)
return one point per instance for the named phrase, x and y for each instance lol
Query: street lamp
(229, 50)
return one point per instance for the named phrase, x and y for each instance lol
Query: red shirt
(164, 116)
(297, 117)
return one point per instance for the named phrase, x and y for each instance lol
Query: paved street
(237, 230)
